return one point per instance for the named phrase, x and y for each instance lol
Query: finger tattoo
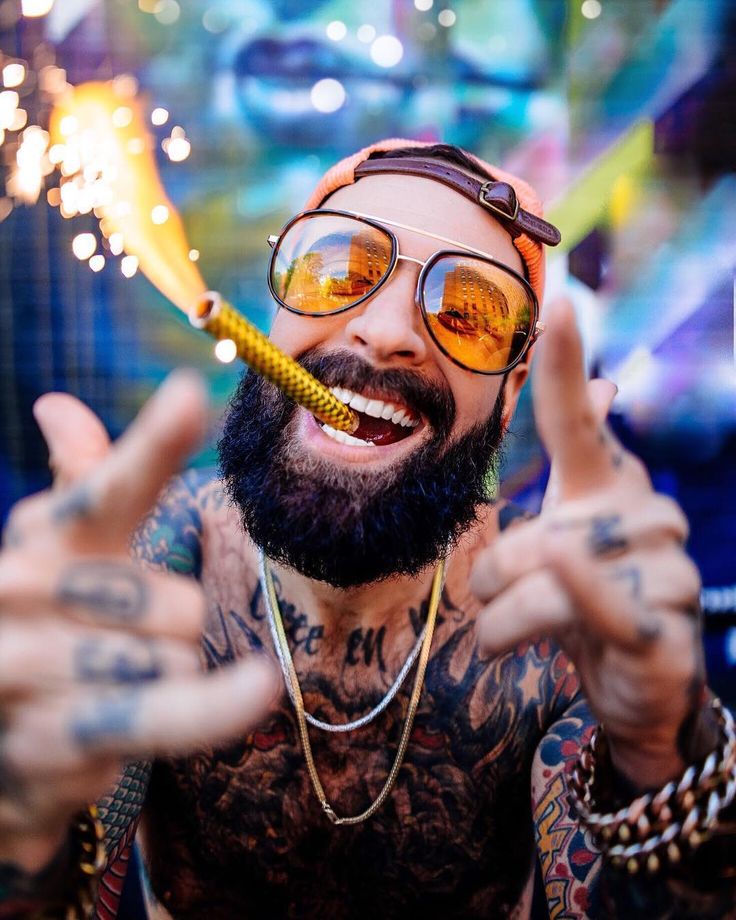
(604, 535)
(649, 628)
(112, 590)
(616, 453)
(97, 660)
(112, 716)
(74, 504)
(629, 575)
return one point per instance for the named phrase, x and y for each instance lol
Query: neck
(370, 606)
(340, 611)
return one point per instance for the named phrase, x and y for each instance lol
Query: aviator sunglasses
(479, 312)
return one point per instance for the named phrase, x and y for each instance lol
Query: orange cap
(532, 253)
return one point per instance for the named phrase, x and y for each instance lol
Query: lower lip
(310, 433)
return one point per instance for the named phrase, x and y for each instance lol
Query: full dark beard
(347, 527)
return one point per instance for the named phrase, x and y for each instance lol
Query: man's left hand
(602, 568)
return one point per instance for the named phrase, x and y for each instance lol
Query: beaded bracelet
(657, 827)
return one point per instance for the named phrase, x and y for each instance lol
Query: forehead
(431, 206)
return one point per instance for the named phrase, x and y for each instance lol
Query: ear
(515, 380)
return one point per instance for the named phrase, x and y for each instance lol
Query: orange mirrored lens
(478, 313)
(325, 263)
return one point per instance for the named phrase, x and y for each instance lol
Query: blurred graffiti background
(619, 111)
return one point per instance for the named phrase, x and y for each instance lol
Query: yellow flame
(93, 110)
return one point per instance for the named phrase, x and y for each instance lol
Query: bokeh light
(336, 30)
(226, 351)
(84, 245)
(327, 95)
(33, 8)
(160, 214)
(129, 266)
(387, 51)
(591, 9)
(14, 74)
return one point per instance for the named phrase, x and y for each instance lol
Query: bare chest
(237, 831)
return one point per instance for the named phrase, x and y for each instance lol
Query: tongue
(379, 431)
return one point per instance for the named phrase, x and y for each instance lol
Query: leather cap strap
(497, 197)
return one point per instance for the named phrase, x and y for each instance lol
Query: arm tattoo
(122, 806)
(569, 863)
(170, 538)
(113, 591)
(98, 660)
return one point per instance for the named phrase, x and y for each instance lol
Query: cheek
(475, 395)
(296, 334)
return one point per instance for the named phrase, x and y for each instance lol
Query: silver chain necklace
(313, 720)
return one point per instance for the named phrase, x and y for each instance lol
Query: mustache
(433, 398)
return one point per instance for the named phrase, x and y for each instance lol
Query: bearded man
(444, 659)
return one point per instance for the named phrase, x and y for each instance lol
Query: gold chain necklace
(296, 694)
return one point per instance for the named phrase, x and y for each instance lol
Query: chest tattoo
(236, 830)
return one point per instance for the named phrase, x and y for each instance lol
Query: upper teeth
(376, 407)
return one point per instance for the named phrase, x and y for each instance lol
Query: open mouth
(381, 421)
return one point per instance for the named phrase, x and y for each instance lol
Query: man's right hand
(99, 658)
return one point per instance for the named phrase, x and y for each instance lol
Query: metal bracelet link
(88, 836)
(657, 828)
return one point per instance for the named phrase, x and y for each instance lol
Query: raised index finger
(566, 419)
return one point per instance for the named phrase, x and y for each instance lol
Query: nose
(387, 328)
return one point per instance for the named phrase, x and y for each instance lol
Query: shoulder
(171, 535)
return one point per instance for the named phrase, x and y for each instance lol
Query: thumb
(75, 437)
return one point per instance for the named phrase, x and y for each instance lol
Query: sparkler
(100, 143)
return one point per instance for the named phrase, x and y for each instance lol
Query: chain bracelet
(658, 827)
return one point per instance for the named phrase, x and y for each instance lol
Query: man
(468, 656)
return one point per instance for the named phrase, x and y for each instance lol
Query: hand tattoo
(617, 455)
(632, 575)
(648, 628)
(114, 591)
(74, 504)
(98, 660)
(604, 537)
